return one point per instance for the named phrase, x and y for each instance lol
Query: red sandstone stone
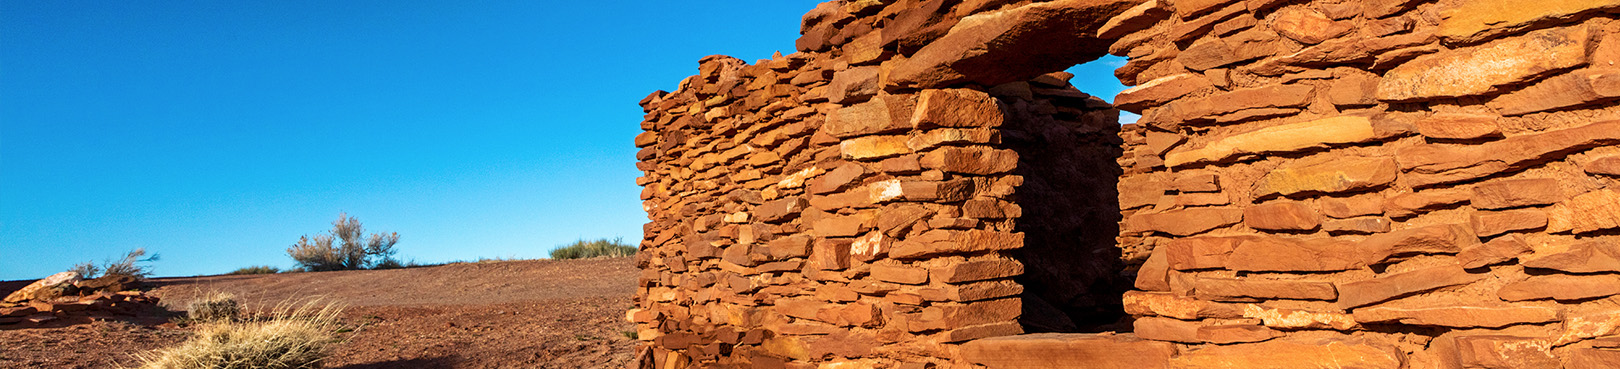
(978, 160)
(1355, 206)
(1590, 212)
(1293, 255)
(1608, 165)
(1499, 250)
(1199, 252)
(830, 254)
(901, 274)
(1459, 316)
(1497, 351)
(1334, 176)
(1459, 126)
(1054, 350)
(1186, 222)
(1561, 287)
(1410, 204)
(1592, 358)
(1011, 45)
(1516, 193)
(1306, 26)
(1281, 216)
(880, 115)
(956, 108)
(837, 179)
(1577, 88)
(1491, 223)
(1428, 165)
(1160, 91)
(1154, 273)
(1586, 257)
(853, 85)
(1363, 225)
(1197, 181)
(1384, 288)
(1222, 288)
(977, 270)
(1164, 304)
(1140, 190)
(1292, 353)
(1478, 70)
(1435, 239)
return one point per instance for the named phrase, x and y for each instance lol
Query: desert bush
(351, 251)
(292, 337)
(214, 307)
(582, 249)
(257, 269)
(129, 265)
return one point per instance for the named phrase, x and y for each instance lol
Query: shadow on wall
(1068, 144)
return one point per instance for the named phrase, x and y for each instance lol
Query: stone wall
(1389, 184)
(1378, 184)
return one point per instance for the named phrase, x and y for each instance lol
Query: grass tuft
(292, 336)
(583, 249)
(214, 307)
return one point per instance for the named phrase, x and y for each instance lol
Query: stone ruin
(1312, 184)
(66, 298)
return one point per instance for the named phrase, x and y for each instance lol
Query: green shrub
(291, 338)
(351, 252)
(129, 265)
(582, 249)
(257, 269)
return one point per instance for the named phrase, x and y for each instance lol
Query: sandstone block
(1459, 316)
(830, 254)
(1429, 165)
(1186, 222)
(1012, 45)
(901, 274)
(1517, 193)
(1497, 351)
(1561, 287)
(1138, 303)
(930, 191)
(1154, 275)
(881, 115)
(1332, 176)
(41, 289)
(977, 270)
(1592, 358)
(1300, 319)
(1198, 252)
(978, 160)
(1058, 350)
(1197, 181)
(1572, 89)
(1411, 204)
(1387, 287)
(854, 85)
(870, 247)
(1160, 91)
(1491, 223)
(1222, 288)
(1350, 207)
(1587, 257)
(1457, 126)
(1294, 255)
(956, 108)
(1140, 190)
(950, 136)
(1134, 19)
(1586, 213)
(838, 179)
(1480, 70)
(796, 246)
(1608, 165)
(1363, 225)
(1289, 354)
(972, 291)
(1475, 21)
(1282, 216)
(1307, 26)
(1280, 139)
(873, 147)
(1499, 250)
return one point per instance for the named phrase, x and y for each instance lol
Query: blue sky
(216, 133)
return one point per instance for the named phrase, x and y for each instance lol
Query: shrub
(257, 269)
(214, 307)
(292, 338)
(350, 253)
(127, 266)
(597, 248)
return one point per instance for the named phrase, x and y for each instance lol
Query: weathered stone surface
(977, 270)
(947, 136)
(881, 115)
(1478, 20)
(1499, 250)
(1056, 350)
(1561, 287)
(1363, 225)
(1189, 9)
(1186, 222)
(1154, 275)
(1012, 45)
(1457, 126)
(979, 160)
(1140, 190)
(1350, 207)
(1222, 288)
(1165, 329)
(1159, 91)
(854, 85)
(1307, 26)
(1338, 175)
(1261, 253)
(873, 147)
(837, 179)
(942, 241)
(1459, 316)
(1163, 304)
(1134, 19)
(1482, 69)
(1429, 165)
(1563, 91)
(1299, 319)
(1499, 351)
(901, 274)
(41, 288)
(956, 108)
(1291, 354)
(1282, 216)
(1491, 223)
(1196, 181)
(1516, 193)
(1592, 358)
(1608, 165)
(1435, 239)
(1270, 98)
(1386, 287)
(1586, 257)
(1586, 213)
(1410, 204)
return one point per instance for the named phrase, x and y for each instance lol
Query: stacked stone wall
(1388, 184)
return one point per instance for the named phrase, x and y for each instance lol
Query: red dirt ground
(513, 314)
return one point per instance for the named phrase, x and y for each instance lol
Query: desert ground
(507, 314)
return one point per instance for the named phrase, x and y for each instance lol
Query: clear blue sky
(215, 133)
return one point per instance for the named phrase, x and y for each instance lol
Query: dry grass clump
(292, 336)
(583, 249)
(213, 307)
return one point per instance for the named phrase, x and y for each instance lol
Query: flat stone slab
(1063, 350)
